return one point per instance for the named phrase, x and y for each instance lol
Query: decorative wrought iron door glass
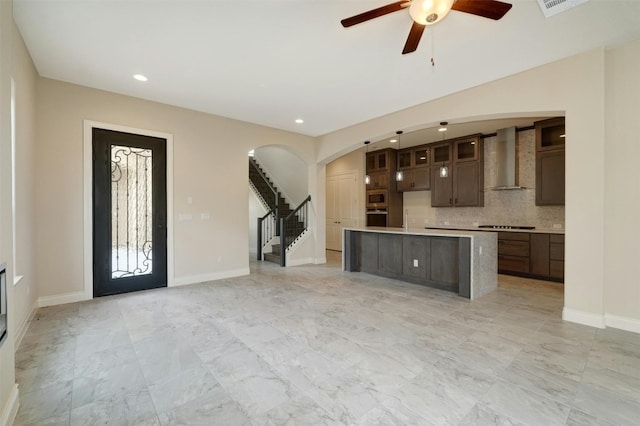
(131, 211)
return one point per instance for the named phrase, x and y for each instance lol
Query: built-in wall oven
(377, 217)
(377, 199)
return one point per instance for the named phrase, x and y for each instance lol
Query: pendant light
(399, 173)
(367, 178)
(444, 170)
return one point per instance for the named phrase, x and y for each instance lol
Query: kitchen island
(462, 261)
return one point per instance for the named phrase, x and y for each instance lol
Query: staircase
(268, 193)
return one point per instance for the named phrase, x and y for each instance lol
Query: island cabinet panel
(444, 261)
(367, 247)
(416, 256)
(437, 261)
(390, 254)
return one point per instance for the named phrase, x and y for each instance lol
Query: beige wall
(16, 63)
(8, 388)
(216, 147)
(574, 87)
(24, 76)
(622, 186)
(286, 170)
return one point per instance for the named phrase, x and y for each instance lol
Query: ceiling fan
(428, 12)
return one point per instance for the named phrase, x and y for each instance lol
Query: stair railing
(274, 192)
(292, 226)
(267, 229)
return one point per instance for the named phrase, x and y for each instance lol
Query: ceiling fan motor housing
(428, 12)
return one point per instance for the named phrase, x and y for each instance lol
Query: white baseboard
(584, 318)
(298, 262)
(11, 407)
(22, 329)
(195, 279)
(319, 260)
(622, 323)
(61, 299)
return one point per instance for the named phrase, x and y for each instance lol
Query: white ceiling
(272, 61)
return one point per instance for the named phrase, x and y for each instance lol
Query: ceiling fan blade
(486, 8)
(375, 13)
(414, 38)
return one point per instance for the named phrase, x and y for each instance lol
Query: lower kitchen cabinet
(513, 252)
(539, 259)
(556, 256)
(535, 255)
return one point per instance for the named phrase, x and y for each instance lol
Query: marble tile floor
(312, 345)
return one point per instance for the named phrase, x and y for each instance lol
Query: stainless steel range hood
(506, 167)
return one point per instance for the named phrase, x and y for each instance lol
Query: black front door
(129, 212)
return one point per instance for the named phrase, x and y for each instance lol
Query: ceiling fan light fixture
(428, 12)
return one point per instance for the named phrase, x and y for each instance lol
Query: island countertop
(463, 261)
(442, 232)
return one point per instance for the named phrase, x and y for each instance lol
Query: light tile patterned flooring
(312, 345)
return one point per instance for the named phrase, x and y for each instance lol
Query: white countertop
(420, 231)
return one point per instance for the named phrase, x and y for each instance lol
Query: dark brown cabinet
(378, 160)
(550, 162)
(462, 184)
(513, 252)
(535, 255)
(414, 163)
(539, 259)
(416, 179)
(378, 180)
(556, 256)
(381, 169)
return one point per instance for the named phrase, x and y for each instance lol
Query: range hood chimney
(506, 160)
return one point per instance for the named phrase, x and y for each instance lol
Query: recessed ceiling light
(140, 77)
(299, 120)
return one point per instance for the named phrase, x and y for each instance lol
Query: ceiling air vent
(553, 7)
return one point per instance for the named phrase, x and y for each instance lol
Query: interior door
(129, 212)
(342, 207)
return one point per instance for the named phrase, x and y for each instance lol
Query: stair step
(275, 249)
(270, 257)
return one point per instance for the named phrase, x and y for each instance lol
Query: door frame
(87, 160)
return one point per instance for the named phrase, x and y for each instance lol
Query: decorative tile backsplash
(510, 207)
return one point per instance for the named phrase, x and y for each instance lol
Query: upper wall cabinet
(378, 161)
(550, 162)
(414, 163)
(381, 168)
(463, 183)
